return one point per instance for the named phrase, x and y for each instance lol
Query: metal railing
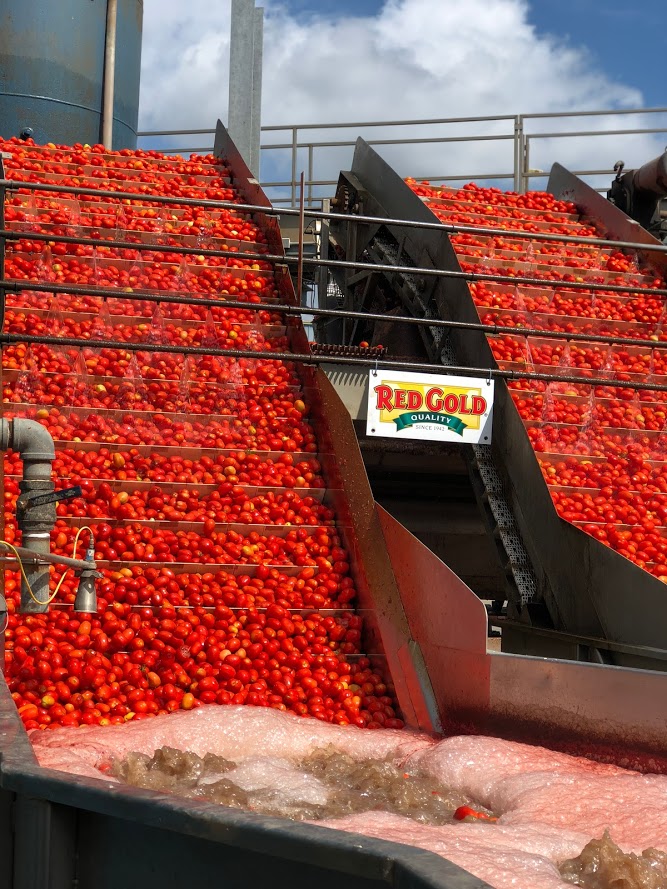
(314, 150)
(292, 309)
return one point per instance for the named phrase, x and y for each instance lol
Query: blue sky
(332, 61)
(626, 39)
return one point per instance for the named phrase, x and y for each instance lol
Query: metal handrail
(515, 128)
(314, 360)
(493, 329)
(248, 209)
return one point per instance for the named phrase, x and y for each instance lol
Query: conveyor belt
(581, 599)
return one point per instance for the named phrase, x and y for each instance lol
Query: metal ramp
(568, 595)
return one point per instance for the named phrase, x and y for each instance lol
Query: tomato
(203, 463)
(601, 447)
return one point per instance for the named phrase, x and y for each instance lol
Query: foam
(503, 857)
(550, 805)
(235, 733)
(533, 785)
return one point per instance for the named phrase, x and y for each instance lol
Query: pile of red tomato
(602, 448)
(225, 577)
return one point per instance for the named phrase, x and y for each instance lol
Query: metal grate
(334, 293)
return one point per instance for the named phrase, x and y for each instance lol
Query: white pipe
(109, 73)
(33, 443)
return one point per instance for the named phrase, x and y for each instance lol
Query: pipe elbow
(5, 434)
(33, 443)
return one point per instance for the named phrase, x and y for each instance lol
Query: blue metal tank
(52, 69)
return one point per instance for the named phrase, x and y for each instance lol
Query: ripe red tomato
(206, 465)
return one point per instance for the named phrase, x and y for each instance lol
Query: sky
(365, 60)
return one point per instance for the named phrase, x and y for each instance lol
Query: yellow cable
(64, 575)
(13, 549)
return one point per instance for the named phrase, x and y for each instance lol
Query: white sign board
(430, 407)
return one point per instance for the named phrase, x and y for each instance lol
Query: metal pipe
(310, 175)
(489, 329)
(247, 209)
(518, 134)
(316, 360)
(35, 592)
(51, 559)
(345, 264)
(299, 279)
(525, 180)
(413, 123)
(295, 150)
(430, 140)
(588, 133)
(36, 519)
(34, 445)
(144, 133)
(109, 74)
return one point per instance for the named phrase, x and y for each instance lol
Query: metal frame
(583, 585)
(632, 237)
(245, 78)
(381, 189)
(517, 129)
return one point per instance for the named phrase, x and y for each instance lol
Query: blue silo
(52, 69)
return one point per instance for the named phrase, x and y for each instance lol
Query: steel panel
(588, 588)
(617, 226)
(447, 621)
(386, 630)
(614, 714)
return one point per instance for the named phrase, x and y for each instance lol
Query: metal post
(525, 185)
(518, 151)
(241, 75)
(522, 166)
(109, 74)
(299, 285)
(294, 160)
(310, 175)
(323, 271)
(256, 103)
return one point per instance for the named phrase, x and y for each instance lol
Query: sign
(429, 407)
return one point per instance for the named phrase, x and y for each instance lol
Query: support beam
(245, 79)
(109, 74)
(241, 74)
(256, 100)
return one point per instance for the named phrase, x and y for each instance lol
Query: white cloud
(415, 59)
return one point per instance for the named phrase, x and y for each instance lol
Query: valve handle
(56, 496)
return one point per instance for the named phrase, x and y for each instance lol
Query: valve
(47, 499)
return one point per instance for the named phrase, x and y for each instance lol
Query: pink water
(399, 786)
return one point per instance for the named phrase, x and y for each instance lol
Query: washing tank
(52, 70)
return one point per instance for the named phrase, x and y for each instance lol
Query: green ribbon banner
(405, 421)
